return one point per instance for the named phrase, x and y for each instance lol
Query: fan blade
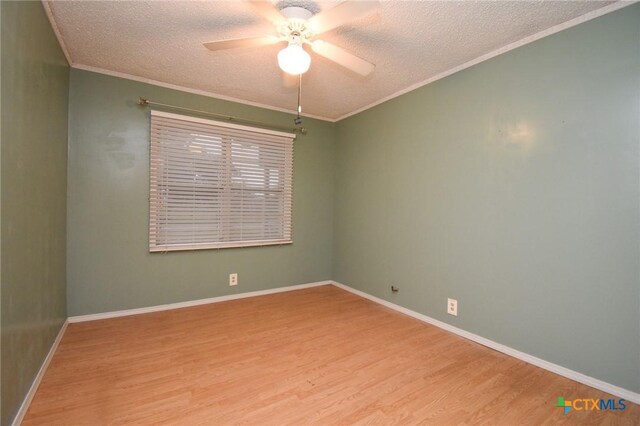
(269, 11)
(342, 57)
(240, 43)
(341, 14)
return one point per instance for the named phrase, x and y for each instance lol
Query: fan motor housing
(296, 29)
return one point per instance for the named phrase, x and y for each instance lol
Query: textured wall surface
(109, 265)
(513, 187)
(35, 87)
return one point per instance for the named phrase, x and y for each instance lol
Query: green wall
(35, 87)
(109, 265)
(512, 186)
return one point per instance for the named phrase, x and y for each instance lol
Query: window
(216, 184)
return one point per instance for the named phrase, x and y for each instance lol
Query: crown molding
(524, 41)
(530, 39)
(56, 31)
(194, 91)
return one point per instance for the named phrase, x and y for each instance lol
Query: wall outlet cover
(452, 307)
(233, 279)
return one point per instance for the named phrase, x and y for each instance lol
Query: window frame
(287, 192)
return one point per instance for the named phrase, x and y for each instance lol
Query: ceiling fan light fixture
(294, 60)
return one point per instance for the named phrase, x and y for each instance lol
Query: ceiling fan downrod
(298, 119)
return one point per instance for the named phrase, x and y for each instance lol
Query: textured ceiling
(409, 42)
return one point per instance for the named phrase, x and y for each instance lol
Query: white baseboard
(573, 375)
(169, 306)
(43, 368)
(36, 381)
(554, 368)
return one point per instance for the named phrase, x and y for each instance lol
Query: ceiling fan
(298, 27)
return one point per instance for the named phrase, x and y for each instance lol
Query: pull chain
(298, 119)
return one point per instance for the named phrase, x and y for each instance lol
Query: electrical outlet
(452, 307)
(233, 279)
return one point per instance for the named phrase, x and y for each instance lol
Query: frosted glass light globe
(294, 60)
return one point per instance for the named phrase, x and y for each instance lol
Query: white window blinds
(216, 184)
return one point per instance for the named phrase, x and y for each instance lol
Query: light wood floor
(315, 356)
